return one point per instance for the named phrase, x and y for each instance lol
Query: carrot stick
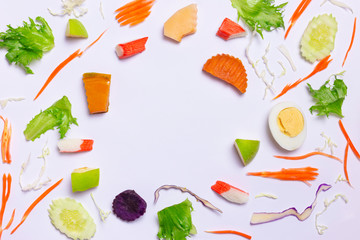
(5, 141)
(132, 19)
(230, 232)
(348, 139)
(290, 174)
(4, 199)
(323, 64)
(32, 206)
(308, 155)
(297, 13)
(134, 13)
(345, 163)
(130, 4)
(81, 53)
(134, 9)
(10, 221)
(77, 53)
(57, 70)
(351, 43)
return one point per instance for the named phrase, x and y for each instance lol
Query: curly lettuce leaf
(329, 100)
(58, 115)
(27, 43)
(175, 222)
(260, 15)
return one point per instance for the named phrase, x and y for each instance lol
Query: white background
(171, 123)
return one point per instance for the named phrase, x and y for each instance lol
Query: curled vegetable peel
(203, 201)
(258, 218)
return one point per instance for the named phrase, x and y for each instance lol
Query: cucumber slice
(72, 219)
(318, 39)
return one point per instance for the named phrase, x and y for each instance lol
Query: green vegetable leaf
(58, 115)
(260, 14)
(27, 43)
(329, 100)
(175, 222)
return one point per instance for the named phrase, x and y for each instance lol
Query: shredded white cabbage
(266, 63)
(101, 10)
(102, 213)
(283, 69)
(321, 228)
(253, 65)
(328, 143)
(287, 55)
(267, 195)
(4, 102)
(339, 4)
(340, 179)
(71, 7)
(36, 185)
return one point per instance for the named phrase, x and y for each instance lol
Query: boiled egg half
(287, 125)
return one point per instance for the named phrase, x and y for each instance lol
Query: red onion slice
(258, 218)
(203, 201)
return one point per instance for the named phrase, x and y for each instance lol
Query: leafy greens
(260, 15)
(27, 43)
(58, 115)
(329, 100)
(175, 221)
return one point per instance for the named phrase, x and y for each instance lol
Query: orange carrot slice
(230, 232)
(33, 205)
(308, 155)
(5, 141)
(351, 42)
(348, 139)
(323, 64)
(345, 163)
(134, 12)
(297, 13)
(96, 40)
(229, 69)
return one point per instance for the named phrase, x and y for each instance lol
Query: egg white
(286, 142)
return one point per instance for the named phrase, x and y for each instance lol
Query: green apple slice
(75, 29)
(84, 178)
(247, 149)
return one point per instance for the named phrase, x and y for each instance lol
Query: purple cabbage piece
(258, 218)
(129, 206)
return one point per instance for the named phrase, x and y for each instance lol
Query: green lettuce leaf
(175, 221)
(58, 115)
(27, 43)
(260, 14)
(329, 100)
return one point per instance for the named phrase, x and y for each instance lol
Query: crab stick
(230, 29)
(131, 48)
(230, 193)
(75, 145)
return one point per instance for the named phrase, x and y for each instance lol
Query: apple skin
(75, 29)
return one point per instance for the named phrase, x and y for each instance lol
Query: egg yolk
(290, 121)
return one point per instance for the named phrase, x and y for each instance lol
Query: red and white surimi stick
(230, 29)
(230, 193)
(75, 145)
(131, 48)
